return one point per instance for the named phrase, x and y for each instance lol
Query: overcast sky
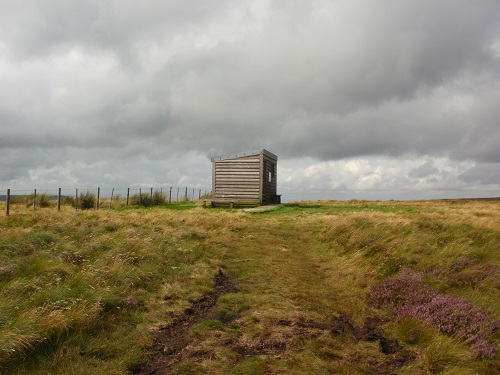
(360, 99)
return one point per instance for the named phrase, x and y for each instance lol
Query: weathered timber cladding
(237, 179)
(244, 179)
(269, 191)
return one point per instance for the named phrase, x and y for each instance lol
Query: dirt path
(310, 300)
(171, 344)
(295, 307)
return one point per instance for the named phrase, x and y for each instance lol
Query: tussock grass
(82, 291)
(87, 200)
(148, 200)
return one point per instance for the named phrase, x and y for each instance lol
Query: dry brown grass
(302, 272)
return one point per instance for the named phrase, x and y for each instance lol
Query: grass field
(326, 287)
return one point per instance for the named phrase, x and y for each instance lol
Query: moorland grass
(83, 291)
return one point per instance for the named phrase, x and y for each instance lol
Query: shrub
(42, 200)
(408, 295)
(87, 200)
(146, 200)
(159, 199)
(399, 292)
(141, 200)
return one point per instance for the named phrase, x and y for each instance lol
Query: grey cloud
(369, 99)
(483, 173)
(424, 170)
(326, 80)
(37, 29)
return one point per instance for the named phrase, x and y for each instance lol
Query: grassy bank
(319, 288)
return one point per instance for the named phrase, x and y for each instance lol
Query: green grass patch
(84, 291)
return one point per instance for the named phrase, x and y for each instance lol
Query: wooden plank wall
(269, 187)
(237, 179)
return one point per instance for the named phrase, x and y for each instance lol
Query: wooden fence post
(178, 194)
(59, 200)
(128, 195)
(199, 194)
(34, 200)
(98, 197)
(151, 193)
(7, 202)
(186, 195)
(76, 199)
(111, 200)
(170, 196)
(140, 196)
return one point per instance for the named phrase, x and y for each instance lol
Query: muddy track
(171, 343)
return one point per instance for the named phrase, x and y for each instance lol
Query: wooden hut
(245, 179)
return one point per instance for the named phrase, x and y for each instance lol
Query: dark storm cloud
(320, 79)
(35, 28)
(384, 84)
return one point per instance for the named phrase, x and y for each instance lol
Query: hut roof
(243, 154)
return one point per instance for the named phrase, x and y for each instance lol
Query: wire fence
(96, 198)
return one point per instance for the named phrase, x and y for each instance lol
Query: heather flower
(483, 348)
(398, 292)
(129, 301)
(408, 295)
(436, 272)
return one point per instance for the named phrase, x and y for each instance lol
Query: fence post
(177, 194)
(186, 195)
(193, 194)
(170, 196)
(128, 195)
(199, 194)
(111, 200)
(7, 202)
(151, 193)
(98, 196)
(140, 196)
(76, 199)
(34, 200)
(59, 200)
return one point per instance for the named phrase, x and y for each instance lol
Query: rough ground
(171, 343)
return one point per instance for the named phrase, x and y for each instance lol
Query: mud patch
(293, 336)
(270, 346)
(389, 346)
(171, 344)
(395, 356)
